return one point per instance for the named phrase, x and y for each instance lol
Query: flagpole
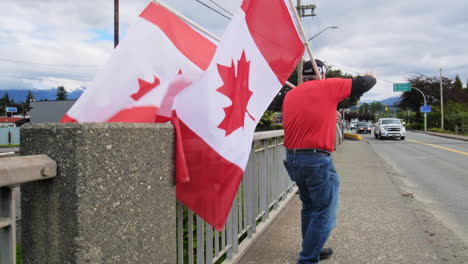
(306, 43)
(197, 26)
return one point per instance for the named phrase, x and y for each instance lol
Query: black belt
(314, 152)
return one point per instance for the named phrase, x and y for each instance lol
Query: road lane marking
(437, 146)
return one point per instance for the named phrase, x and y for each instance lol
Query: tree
(26, 105)
(430, 86)
(364, 108)
(30, 97)
(61, 94)
(277, 104)
(375, 107)
(458, 83)
(4, 102)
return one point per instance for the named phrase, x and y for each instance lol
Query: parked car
(389, 127)
(363, 127)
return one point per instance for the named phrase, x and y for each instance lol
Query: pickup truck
(389, 127)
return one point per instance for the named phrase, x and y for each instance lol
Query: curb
(352, 136)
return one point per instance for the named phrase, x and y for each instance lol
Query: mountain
(50, 94)
(389, 101)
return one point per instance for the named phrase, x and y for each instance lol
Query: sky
(49, 43)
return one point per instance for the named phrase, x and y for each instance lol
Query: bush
(415, 126)
(439, 130)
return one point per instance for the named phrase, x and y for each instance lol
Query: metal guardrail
(264, 186)
(13, 172)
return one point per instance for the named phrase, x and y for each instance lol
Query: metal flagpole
(306, 43)
(197, 26)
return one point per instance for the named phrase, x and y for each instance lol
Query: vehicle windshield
(391, 121)
(363, 124)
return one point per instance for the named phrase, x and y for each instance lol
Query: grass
(438, 130)
(10, 146)
(19, 259)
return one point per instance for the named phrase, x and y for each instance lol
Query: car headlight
(383, 128)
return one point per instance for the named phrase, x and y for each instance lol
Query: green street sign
(402, 87)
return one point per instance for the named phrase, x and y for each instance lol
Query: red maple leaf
(237, 89)
(145, 87)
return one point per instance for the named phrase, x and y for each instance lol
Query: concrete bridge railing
(113, 199)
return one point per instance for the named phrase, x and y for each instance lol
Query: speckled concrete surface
(113, 200)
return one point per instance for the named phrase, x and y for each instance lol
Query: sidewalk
(374, 223)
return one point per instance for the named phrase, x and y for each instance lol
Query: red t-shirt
(309, 113)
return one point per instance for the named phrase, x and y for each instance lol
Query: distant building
(8, 121)
(49, 111)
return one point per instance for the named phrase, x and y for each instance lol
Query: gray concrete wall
(113, 200)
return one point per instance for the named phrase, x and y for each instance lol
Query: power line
(213, 9)
(41, 79)
(221, 7)
(45, 64)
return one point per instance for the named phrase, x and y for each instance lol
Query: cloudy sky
(48, 43)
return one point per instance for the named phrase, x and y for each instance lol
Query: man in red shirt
(309, 121)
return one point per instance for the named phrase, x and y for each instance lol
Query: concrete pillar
(113, 200)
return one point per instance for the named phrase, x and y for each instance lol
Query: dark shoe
(325, 253)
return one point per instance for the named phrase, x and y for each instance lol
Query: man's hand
(338, 115)
(371, 74)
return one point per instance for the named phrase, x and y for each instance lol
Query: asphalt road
(435, 171)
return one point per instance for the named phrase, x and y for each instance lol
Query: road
(435, 171)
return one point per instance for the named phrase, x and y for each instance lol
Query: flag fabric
(215, 117)
(158, 57)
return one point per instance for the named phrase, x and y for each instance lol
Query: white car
(389, 127)
(353, 125)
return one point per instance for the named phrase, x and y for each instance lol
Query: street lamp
(425, 103)
(321, 32)
(441, 98)
(299, 65)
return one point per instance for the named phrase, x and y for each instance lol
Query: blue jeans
(318, 185)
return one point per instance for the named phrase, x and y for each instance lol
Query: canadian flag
(217, 114)
(158, 57)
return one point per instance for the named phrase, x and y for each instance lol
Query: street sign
(425, 108)
(11, 109)
(402, 87)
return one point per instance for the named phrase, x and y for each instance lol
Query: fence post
(113, 200)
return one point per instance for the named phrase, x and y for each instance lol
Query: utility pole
(302, 11)
(441, 102)
(116, 23)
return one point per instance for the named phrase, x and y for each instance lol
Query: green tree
(266, 122)
(277, 104)
(30, 97)
(364, 108)
(458, 83)
(375, 107)
(455, 114)
(430, 86)
(4, 102)
(61, 94)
